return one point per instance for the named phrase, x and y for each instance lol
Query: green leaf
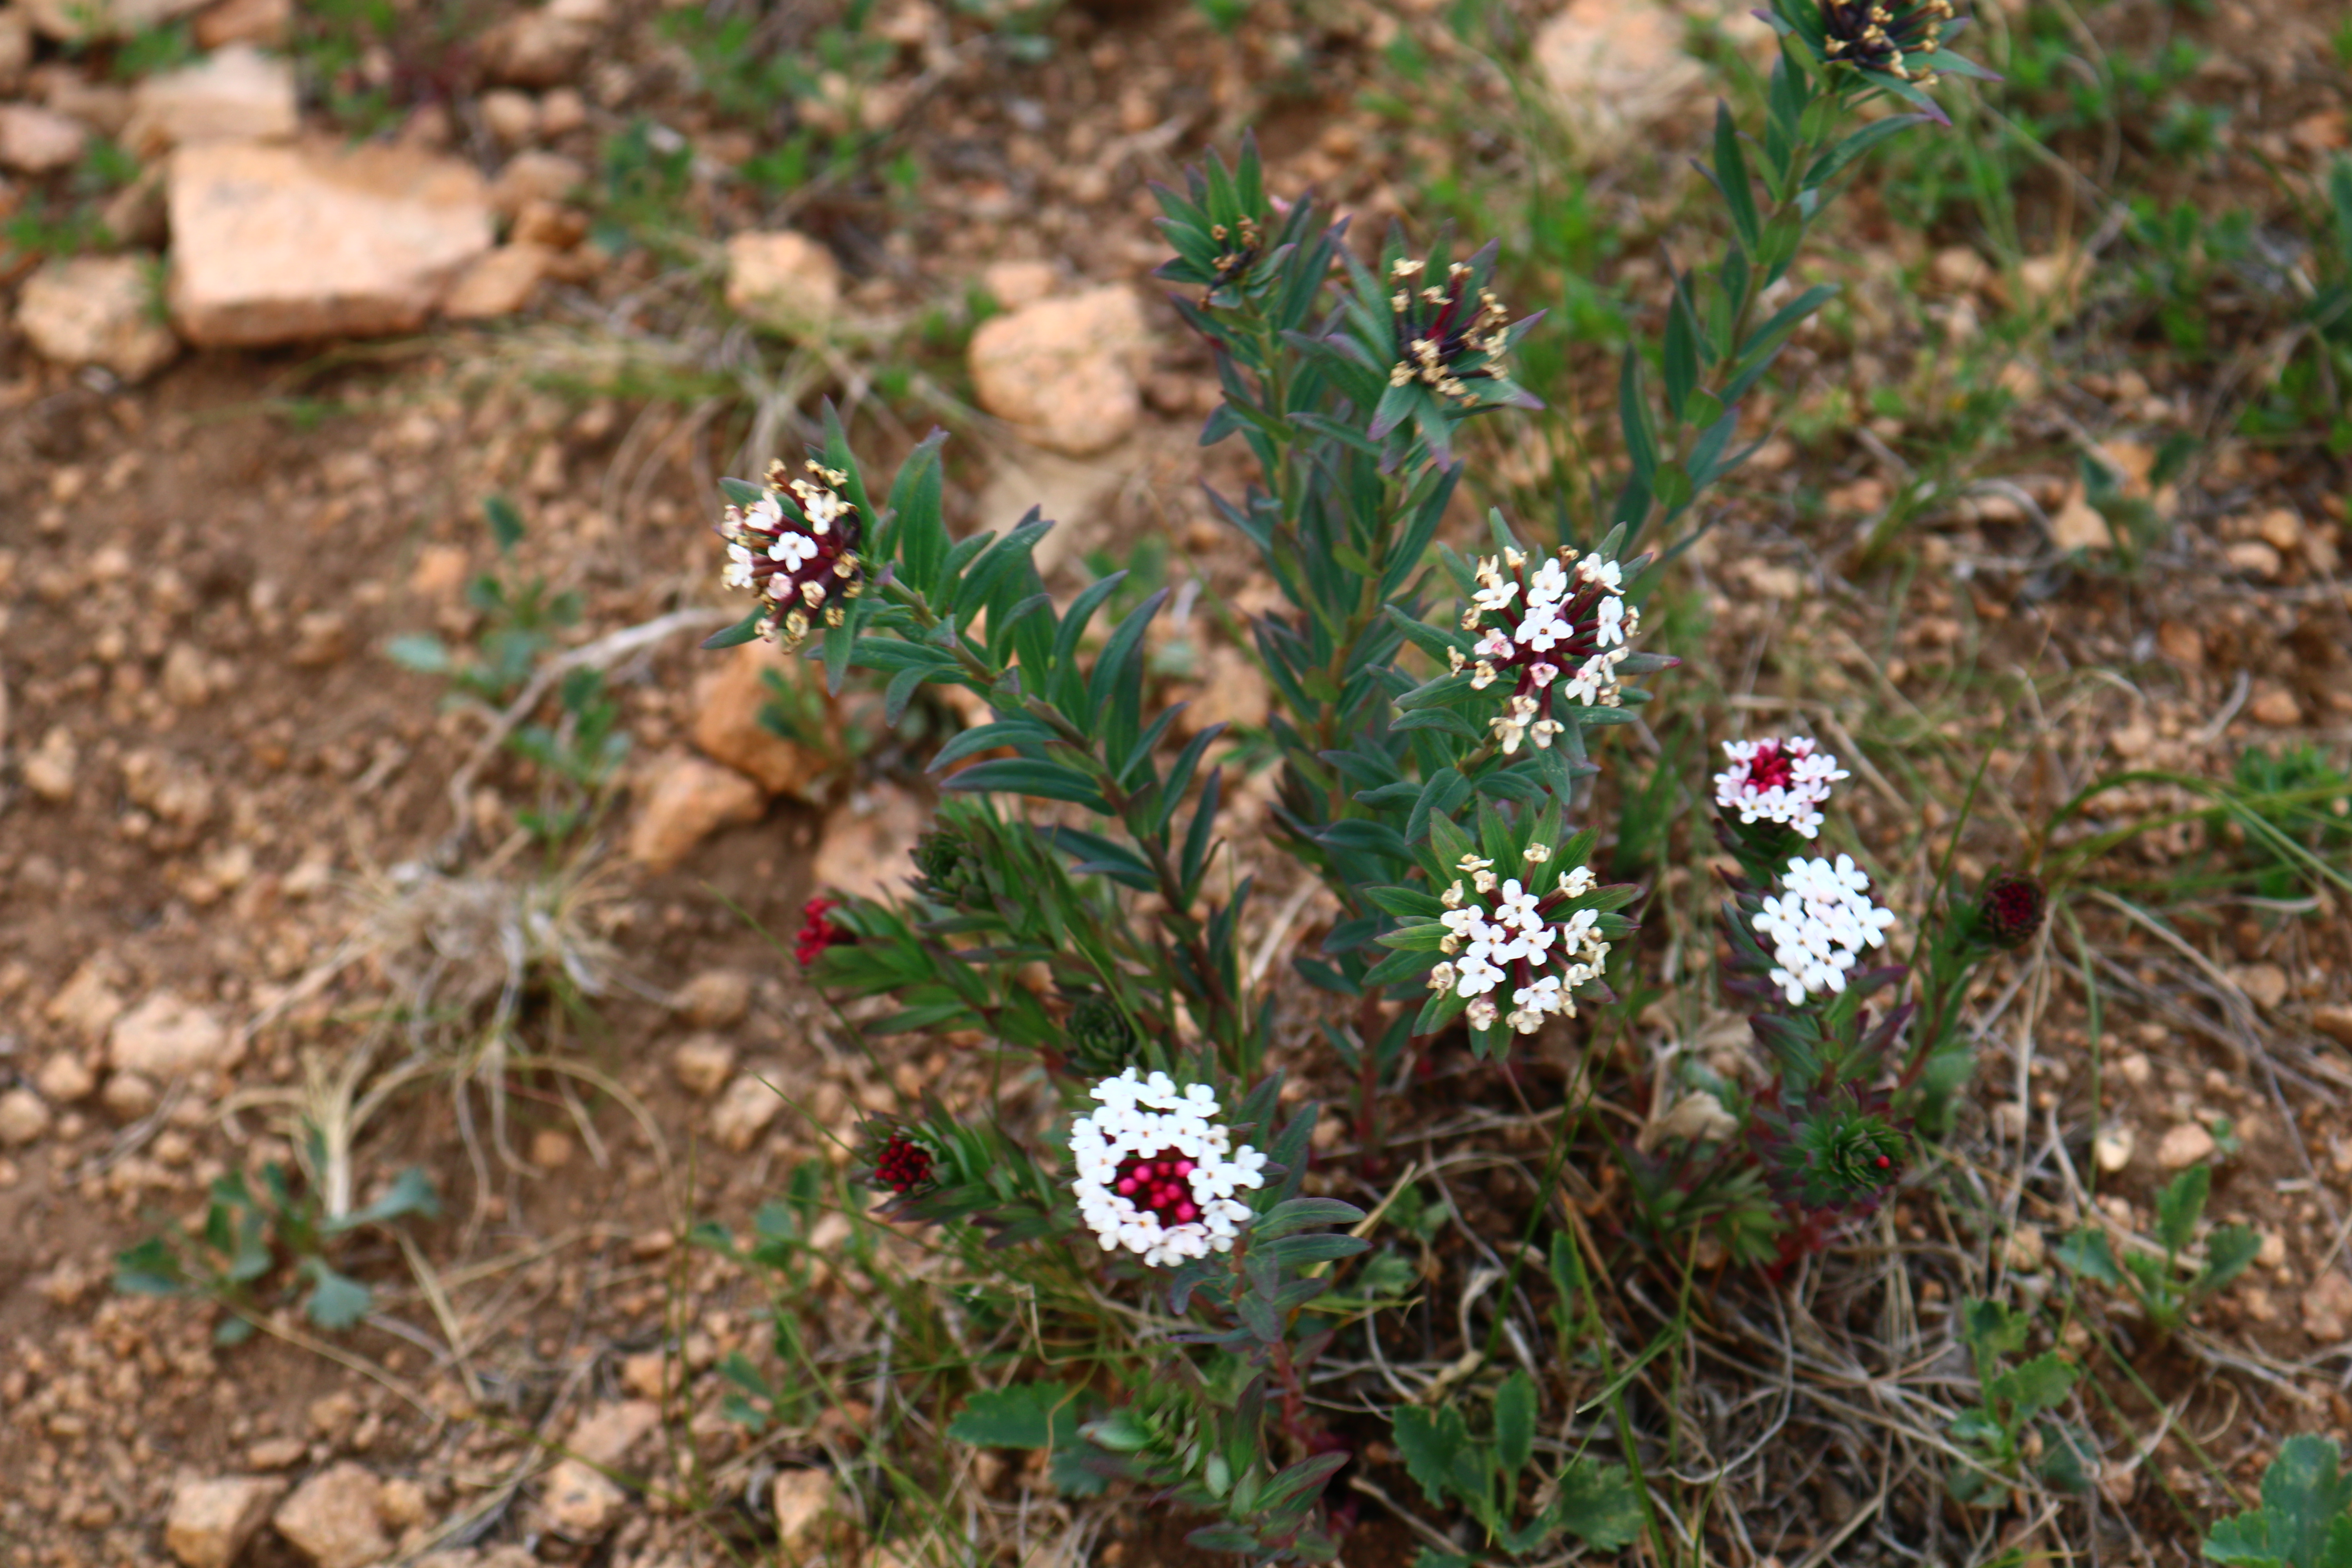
(1298, 1214)
(1731, 175)
(2301, 1523)
(150, 1269)
(1515, 1422)
(1020, 1415)
(742, 631)
(917, 534)
(1222, 1537)
(420, 651)
(1598, 1505)
(2035, 1386)
(505, 524)
(1020, 775)
(2086, 1252)
(1324, 1247)
(336, 1301)
(410, 1192)
(2179, 1204)
(1430, 1440)
(2228, 1252)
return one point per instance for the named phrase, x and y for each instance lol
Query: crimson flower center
(904, 1165)
(1160, 1182)
(1770, 768)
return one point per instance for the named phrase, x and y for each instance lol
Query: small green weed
(522, 616)
(2156, 1283)
(2010, 1430)
(2306, 800)
(249, 1237)
(1594, 1502)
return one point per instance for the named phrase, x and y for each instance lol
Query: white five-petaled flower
(1542, 630)
(1775, 780)
(1474, 976)
(1817, 925)
(1494, 590)
(1156, 1173)
(1517, 907)
(1549, 586)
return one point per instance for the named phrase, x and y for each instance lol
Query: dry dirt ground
(221, 803)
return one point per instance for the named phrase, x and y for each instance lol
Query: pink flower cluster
(1773, 779)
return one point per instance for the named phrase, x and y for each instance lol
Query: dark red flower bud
(903, 1165)
(2010, 907)
(817, 932)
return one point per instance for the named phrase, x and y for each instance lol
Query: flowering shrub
(1071, 906)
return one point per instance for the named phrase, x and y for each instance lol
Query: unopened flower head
(1817, 925)
(817, 930)
(1890, 36)
(2009, 908)
(1774, 779)
(1524, 946)
(1243, 241)
(1557, 632)
(1157, 1173)
(796, 548)
(903, 1165)
(1447, 335)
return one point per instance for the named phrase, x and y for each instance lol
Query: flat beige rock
(686, 800)
(35, 141)
(1616, 67)
(274, 245)
(239, 94)
(212, 1520)
(783, 280)
(104, 18)
(1063, 372)
(97, 310)
(498, 284)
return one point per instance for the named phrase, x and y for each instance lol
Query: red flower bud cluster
(817, 932)
(903, 1165)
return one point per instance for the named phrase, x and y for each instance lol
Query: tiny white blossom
(1549, 586)
(1474, 976)
(1542, 630)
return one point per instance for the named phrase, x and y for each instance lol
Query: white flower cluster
(1819, 924)
(1482, 947)
(801, 569)
(1571, 629)
(1157, 1173)
(1773, 779)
